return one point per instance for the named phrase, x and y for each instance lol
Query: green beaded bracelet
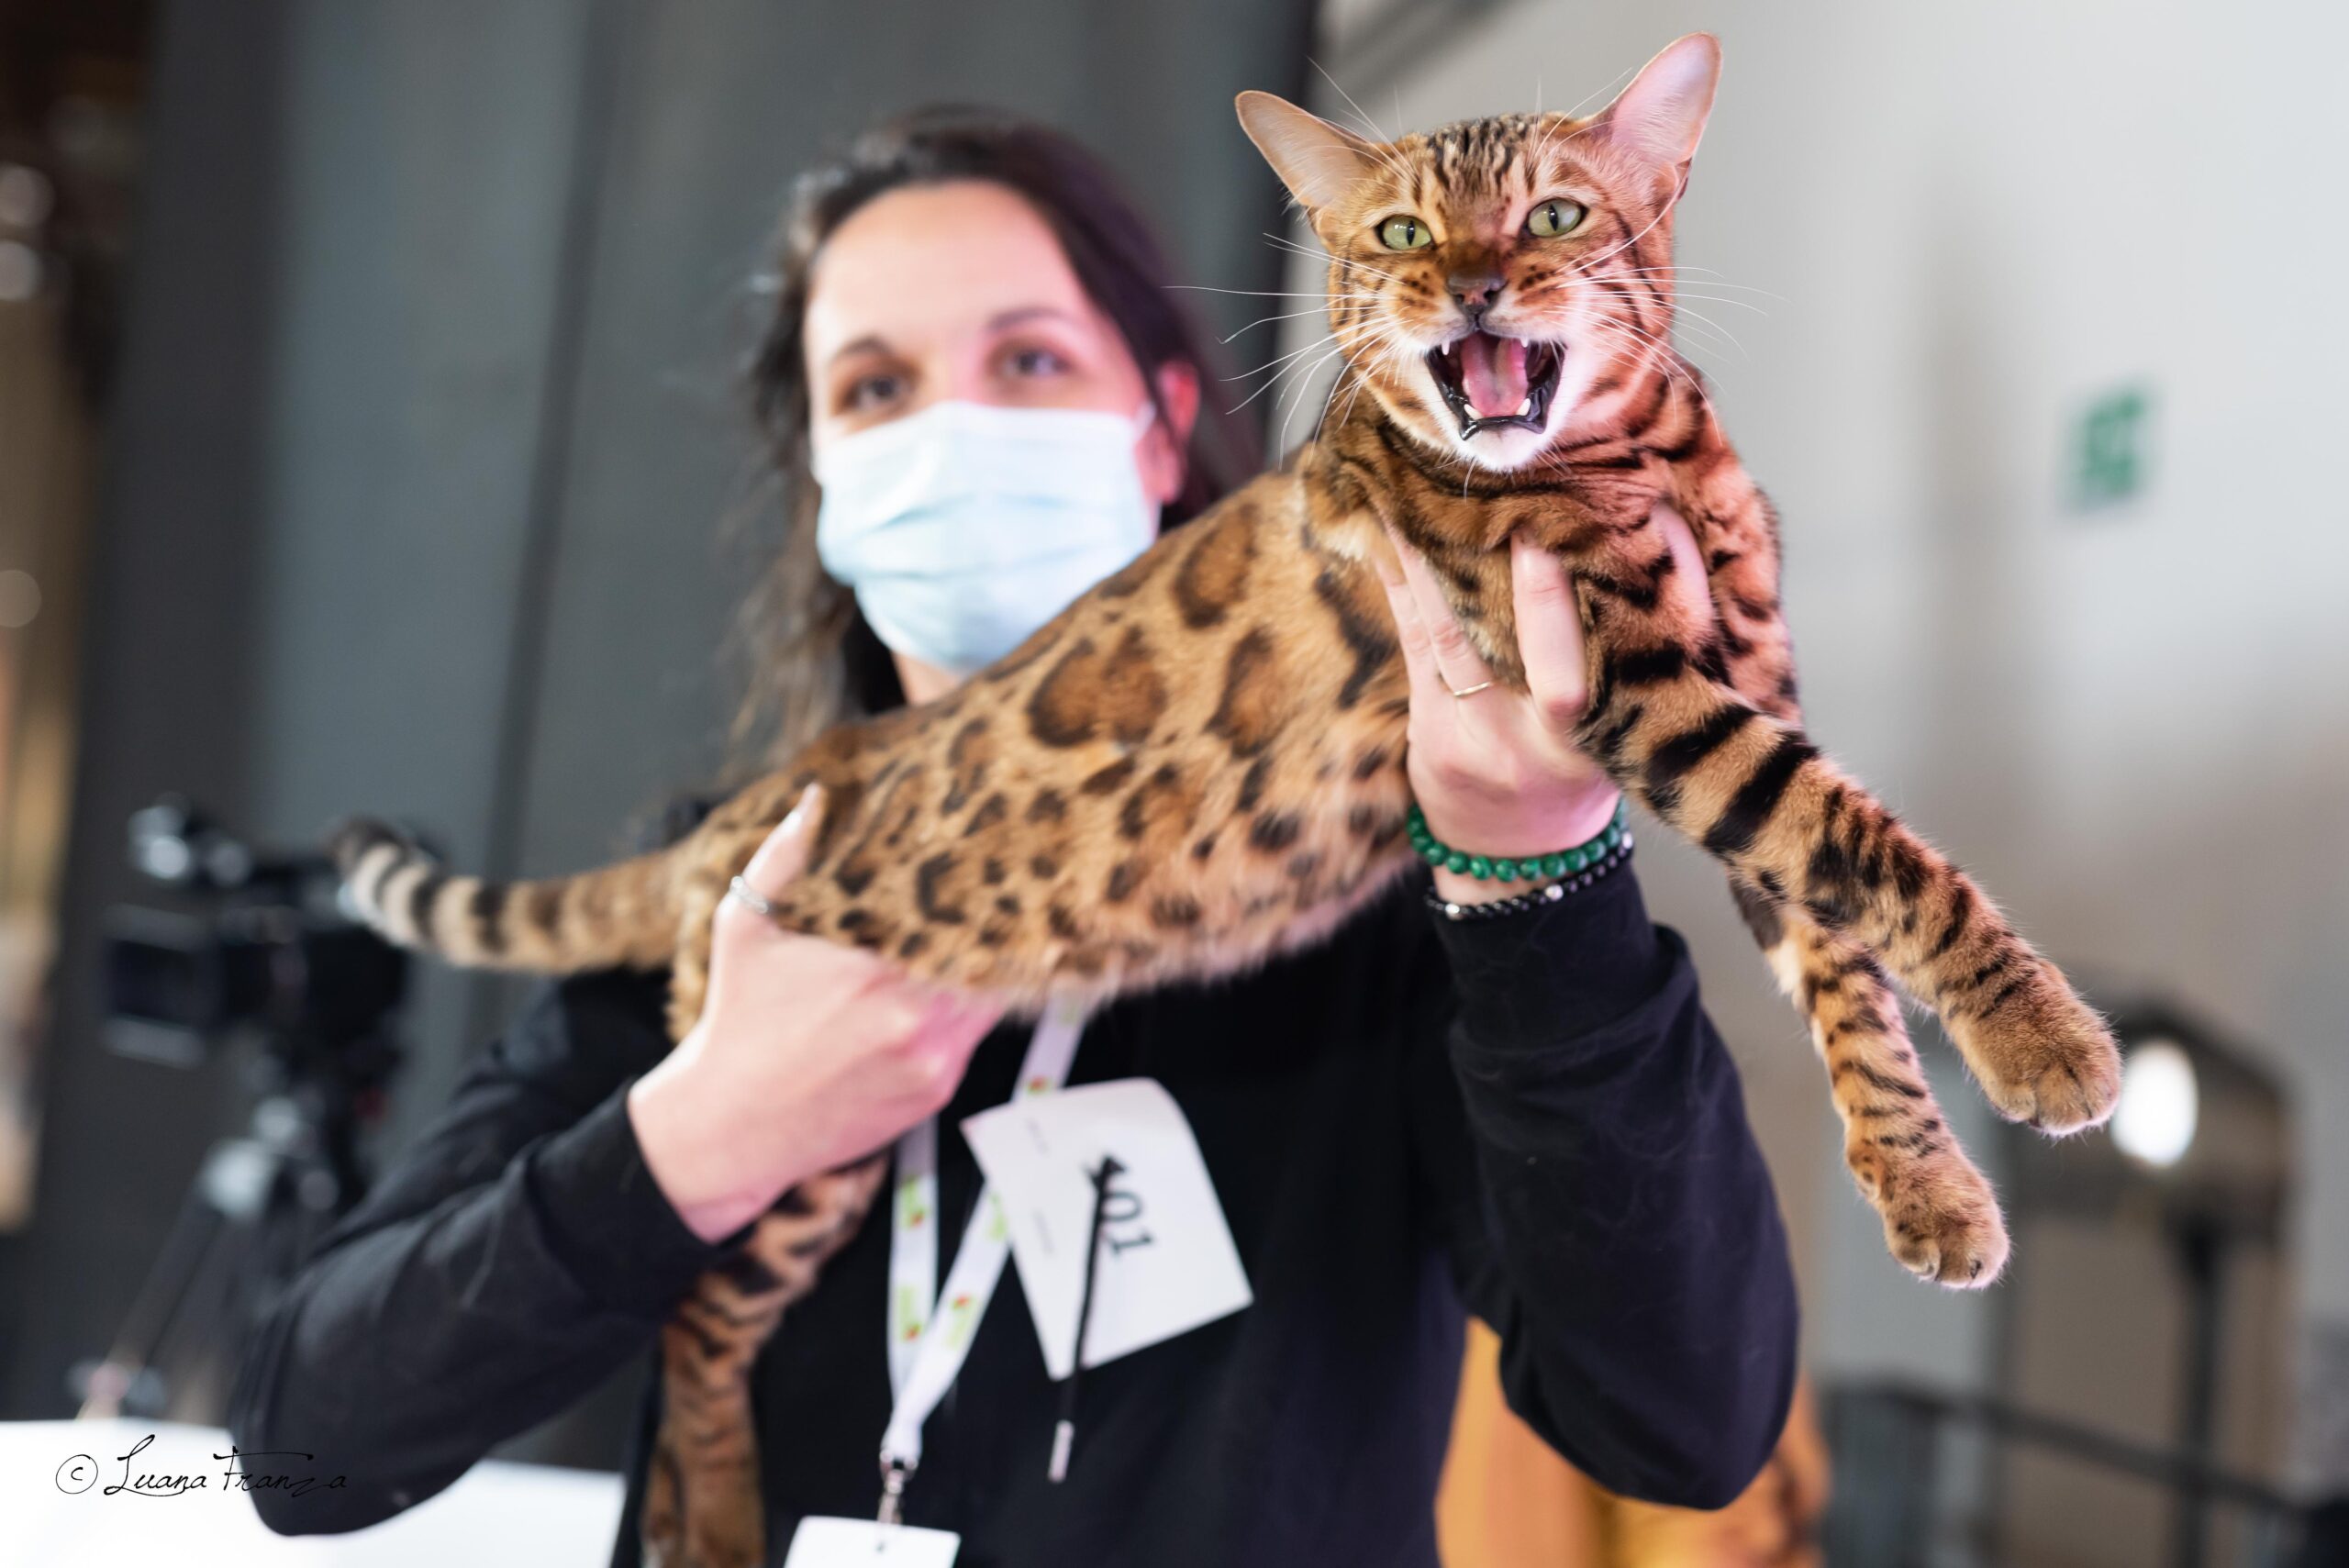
(1486, 868)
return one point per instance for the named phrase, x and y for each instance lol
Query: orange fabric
(1506, 1501)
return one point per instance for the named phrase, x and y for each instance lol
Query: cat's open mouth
(1496, 384)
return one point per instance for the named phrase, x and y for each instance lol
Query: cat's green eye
(1405, 233)
(1555, 217)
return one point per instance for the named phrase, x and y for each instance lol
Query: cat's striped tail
(622, 915)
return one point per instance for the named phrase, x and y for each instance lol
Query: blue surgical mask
(965, 526)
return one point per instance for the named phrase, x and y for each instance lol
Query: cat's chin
(1496, 450)
(1504, 450)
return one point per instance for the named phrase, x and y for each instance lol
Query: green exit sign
(2109, 449)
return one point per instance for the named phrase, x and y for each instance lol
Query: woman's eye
(871, 391)
(1034, 362)
(1552, 218)
(1405, 233)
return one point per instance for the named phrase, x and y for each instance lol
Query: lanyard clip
(894, 1474)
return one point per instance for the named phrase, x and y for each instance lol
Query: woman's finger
(1691, 593)
(1549, 634)
(784, 855)
(1410, 630)
(1457, 663)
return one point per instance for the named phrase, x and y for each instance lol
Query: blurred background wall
(423, 432)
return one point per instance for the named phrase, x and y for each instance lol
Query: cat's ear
(1316, 161)
(1661, 115)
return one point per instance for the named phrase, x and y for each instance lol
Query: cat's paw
(2043, 1056)
(1941, 1218)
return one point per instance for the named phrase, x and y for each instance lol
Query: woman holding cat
(975, 366)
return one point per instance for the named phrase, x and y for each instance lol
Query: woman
(1527, 1118)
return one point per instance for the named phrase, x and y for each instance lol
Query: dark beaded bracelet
(1540, 897)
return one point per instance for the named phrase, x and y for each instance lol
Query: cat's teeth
(1525, 408)
(1450, 349)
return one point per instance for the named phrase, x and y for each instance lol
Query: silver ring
(751, 898)
(1471, 691)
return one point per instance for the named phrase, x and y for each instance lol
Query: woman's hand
(807, 1055)
(1498, 772)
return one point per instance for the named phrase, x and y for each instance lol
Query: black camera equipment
(260, 950)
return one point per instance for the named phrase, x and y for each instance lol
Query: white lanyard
(931, 1330)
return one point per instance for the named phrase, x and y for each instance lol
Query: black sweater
(1529, 1118)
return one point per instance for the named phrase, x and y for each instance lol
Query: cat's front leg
(1754, 793)
(1941, 1218)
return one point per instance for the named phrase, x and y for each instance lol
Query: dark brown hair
(812, 659)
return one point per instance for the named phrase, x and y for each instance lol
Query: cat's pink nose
(1475, 291)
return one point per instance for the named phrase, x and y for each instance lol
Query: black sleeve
(517, 1255)
(1606, 1207)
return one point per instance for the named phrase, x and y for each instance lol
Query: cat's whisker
(1297, 362)
(1671, 293)
(1712, 340)
(1306, 380)
(1614, 324)
(1352, 398)
(1264, 293)
(1661, 278)
(1314, 253)
(1582, 128)
(1713, 281)
(1382, 144)
(1618, 325)
(1320, 254)
(1289, 417)
(1662, 357)
(1661, 214)
(1716, 299)
(1288, 316)
(1683, 267)
(1379, 345)
(1281, 359)
(1347, 372)
(1387, 343)
(1697, 321)
(1321, 420)
(1679, 313)
(1714, 336)
(1702, 322)
(1370, 124)
(1609, 90)
(1541, 148)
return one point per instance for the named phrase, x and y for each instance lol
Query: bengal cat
(1199, 764)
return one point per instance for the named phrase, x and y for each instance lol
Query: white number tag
(860, 1544)
(1167, 1261)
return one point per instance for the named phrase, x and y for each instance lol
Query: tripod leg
(175, 1270)
(234, 1185)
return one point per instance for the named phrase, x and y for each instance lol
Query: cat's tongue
(1492, 372)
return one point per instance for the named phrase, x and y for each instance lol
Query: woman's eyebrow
(871, 343)
(1013, 317)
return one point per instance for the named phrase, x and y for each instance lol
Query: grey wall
(426, 434)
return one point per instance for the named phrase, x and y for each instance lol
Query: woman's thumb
(784, 855)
